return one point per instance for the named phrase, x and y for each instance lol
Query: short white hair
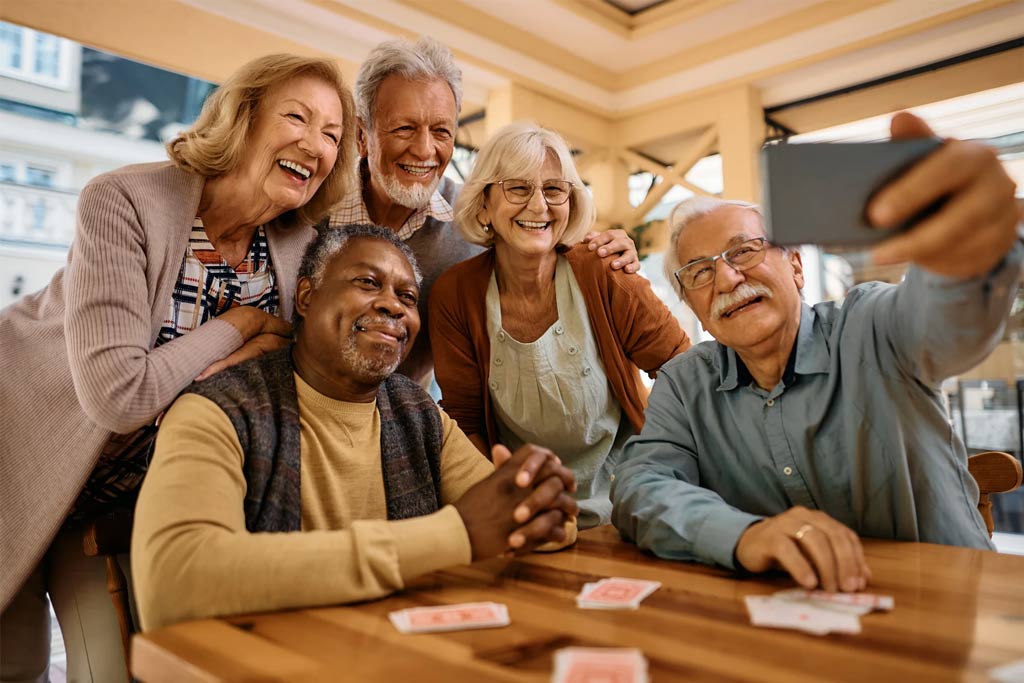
(425, 60)
(684, 213)
(517, 150)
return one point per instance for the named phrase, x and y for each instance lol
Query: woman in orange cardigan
(536, 340)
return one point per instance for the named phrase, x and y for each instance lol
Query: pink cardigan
(77, 361)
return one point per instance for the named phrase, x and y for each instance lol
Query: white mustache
(743, 292)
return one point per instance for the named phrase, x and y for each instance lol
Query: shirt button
(787, 471)
(559, 329)
(501, 336)
(586, 371)
(573, 350)
(498, 361)
(612, 478)
(770, 402)
(493, 384)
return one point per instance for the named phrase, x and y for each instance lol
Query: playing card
(779, 613)
(851, 603)
(1008, 673)
(599, 665)
(615, 593)
(450, 617)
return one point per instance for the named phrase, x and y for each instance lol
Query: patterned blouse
(206, 287)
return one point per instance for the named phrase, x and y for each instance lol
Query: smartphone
(817, 193)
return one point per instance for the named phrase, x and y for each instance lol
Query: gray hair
(684, 213)
(330, 242)
(426, 60)
(518, 150)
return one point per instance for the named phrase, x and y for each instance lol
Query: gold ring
(802, 531)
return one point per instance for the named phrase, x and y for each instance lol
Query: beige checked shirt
(351, 209)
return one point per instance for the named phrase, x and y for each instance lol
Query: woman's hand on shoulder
(254, 348)
(261, 333)
(615, 243)
(252, 322)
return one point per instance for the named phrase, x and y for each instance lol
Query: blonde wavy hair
(517, 151)
(216, 144)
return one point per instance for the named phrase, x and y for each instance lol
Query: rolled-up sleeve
(657, 497)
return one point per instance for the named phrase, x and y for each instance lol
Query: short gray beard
(415, 197)
(368, 370)
(743, 292)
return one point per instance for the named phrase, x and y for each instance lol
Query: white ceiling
(847, 47)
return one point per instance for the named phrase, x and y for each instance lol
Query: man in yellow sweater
(315, 475)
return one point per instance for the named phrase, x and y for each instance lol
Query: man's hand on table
(523, 504)
(974, 227)
(816, 550)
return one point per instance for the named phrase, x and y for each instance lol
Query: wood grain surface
(958, 614)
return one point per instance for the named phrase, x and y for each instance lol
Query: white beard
(414, 197)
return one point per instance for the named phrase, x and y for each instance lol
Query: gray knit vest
(260, 399)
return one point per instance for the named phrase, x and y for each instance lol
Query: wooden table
(958, 613)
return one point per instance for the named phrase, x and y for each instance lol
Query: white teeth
(533, 225)
(301, 170)
(417, 170)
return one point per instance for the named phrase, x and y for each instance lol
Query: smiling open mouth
(535, 226)
(297, 170)
(743, 306)
(418, 170)
(399, 335)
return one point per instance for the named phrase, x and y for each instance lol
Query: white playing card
(615, 593)
(775, 612)
(1008, 673)
(450, 617)
(851, 603)
(599, 665)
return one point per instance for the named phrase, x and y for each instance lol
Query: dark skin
(359, 322)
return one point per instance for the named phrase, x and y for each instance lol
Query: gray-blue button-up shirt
(856, 428)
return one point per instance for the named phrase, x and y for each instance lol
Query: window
(47, 61)
(34, 56)
(8, 173)
(39, 215)
(42, 177)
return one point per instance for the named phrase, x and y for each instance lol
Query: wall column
(741, 132)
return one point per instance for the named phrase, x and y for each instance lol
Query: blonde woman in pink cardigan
(178, 270)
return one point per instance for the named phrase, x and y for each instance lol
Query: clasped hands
(525, 503)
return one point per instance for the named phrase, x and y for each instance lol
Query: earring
(487, 228)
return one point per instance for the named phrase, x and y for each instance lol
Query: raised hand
(816, 550)
(976, 225)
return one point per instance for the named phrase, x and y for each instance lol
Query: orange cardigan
(632, 328)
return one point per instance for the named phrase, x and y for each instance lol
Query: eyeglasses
(743, 256)
(518, 191)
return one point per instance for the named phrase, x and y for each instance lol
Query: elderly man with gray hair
(408, 99)
(802, 428)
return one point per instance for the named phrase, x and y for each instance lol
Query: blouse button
(493, 384)
(573, 350)
(498, 361)
(501, 336)
(586, 371)
(559, 329)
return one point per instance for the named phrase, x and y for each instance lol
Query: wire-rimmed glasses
(740, 257)
(519, 191)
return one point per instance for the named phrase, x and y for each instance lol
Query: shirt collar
(352, 209)
(809, 356)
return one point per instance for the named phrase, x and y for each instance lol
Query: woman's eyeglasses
(518, 191)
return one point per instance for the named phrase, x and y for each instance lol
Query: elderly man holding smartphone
(803, 428)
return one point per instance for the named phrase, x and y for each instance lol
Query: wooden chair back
(109, 536)
(995, 472)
